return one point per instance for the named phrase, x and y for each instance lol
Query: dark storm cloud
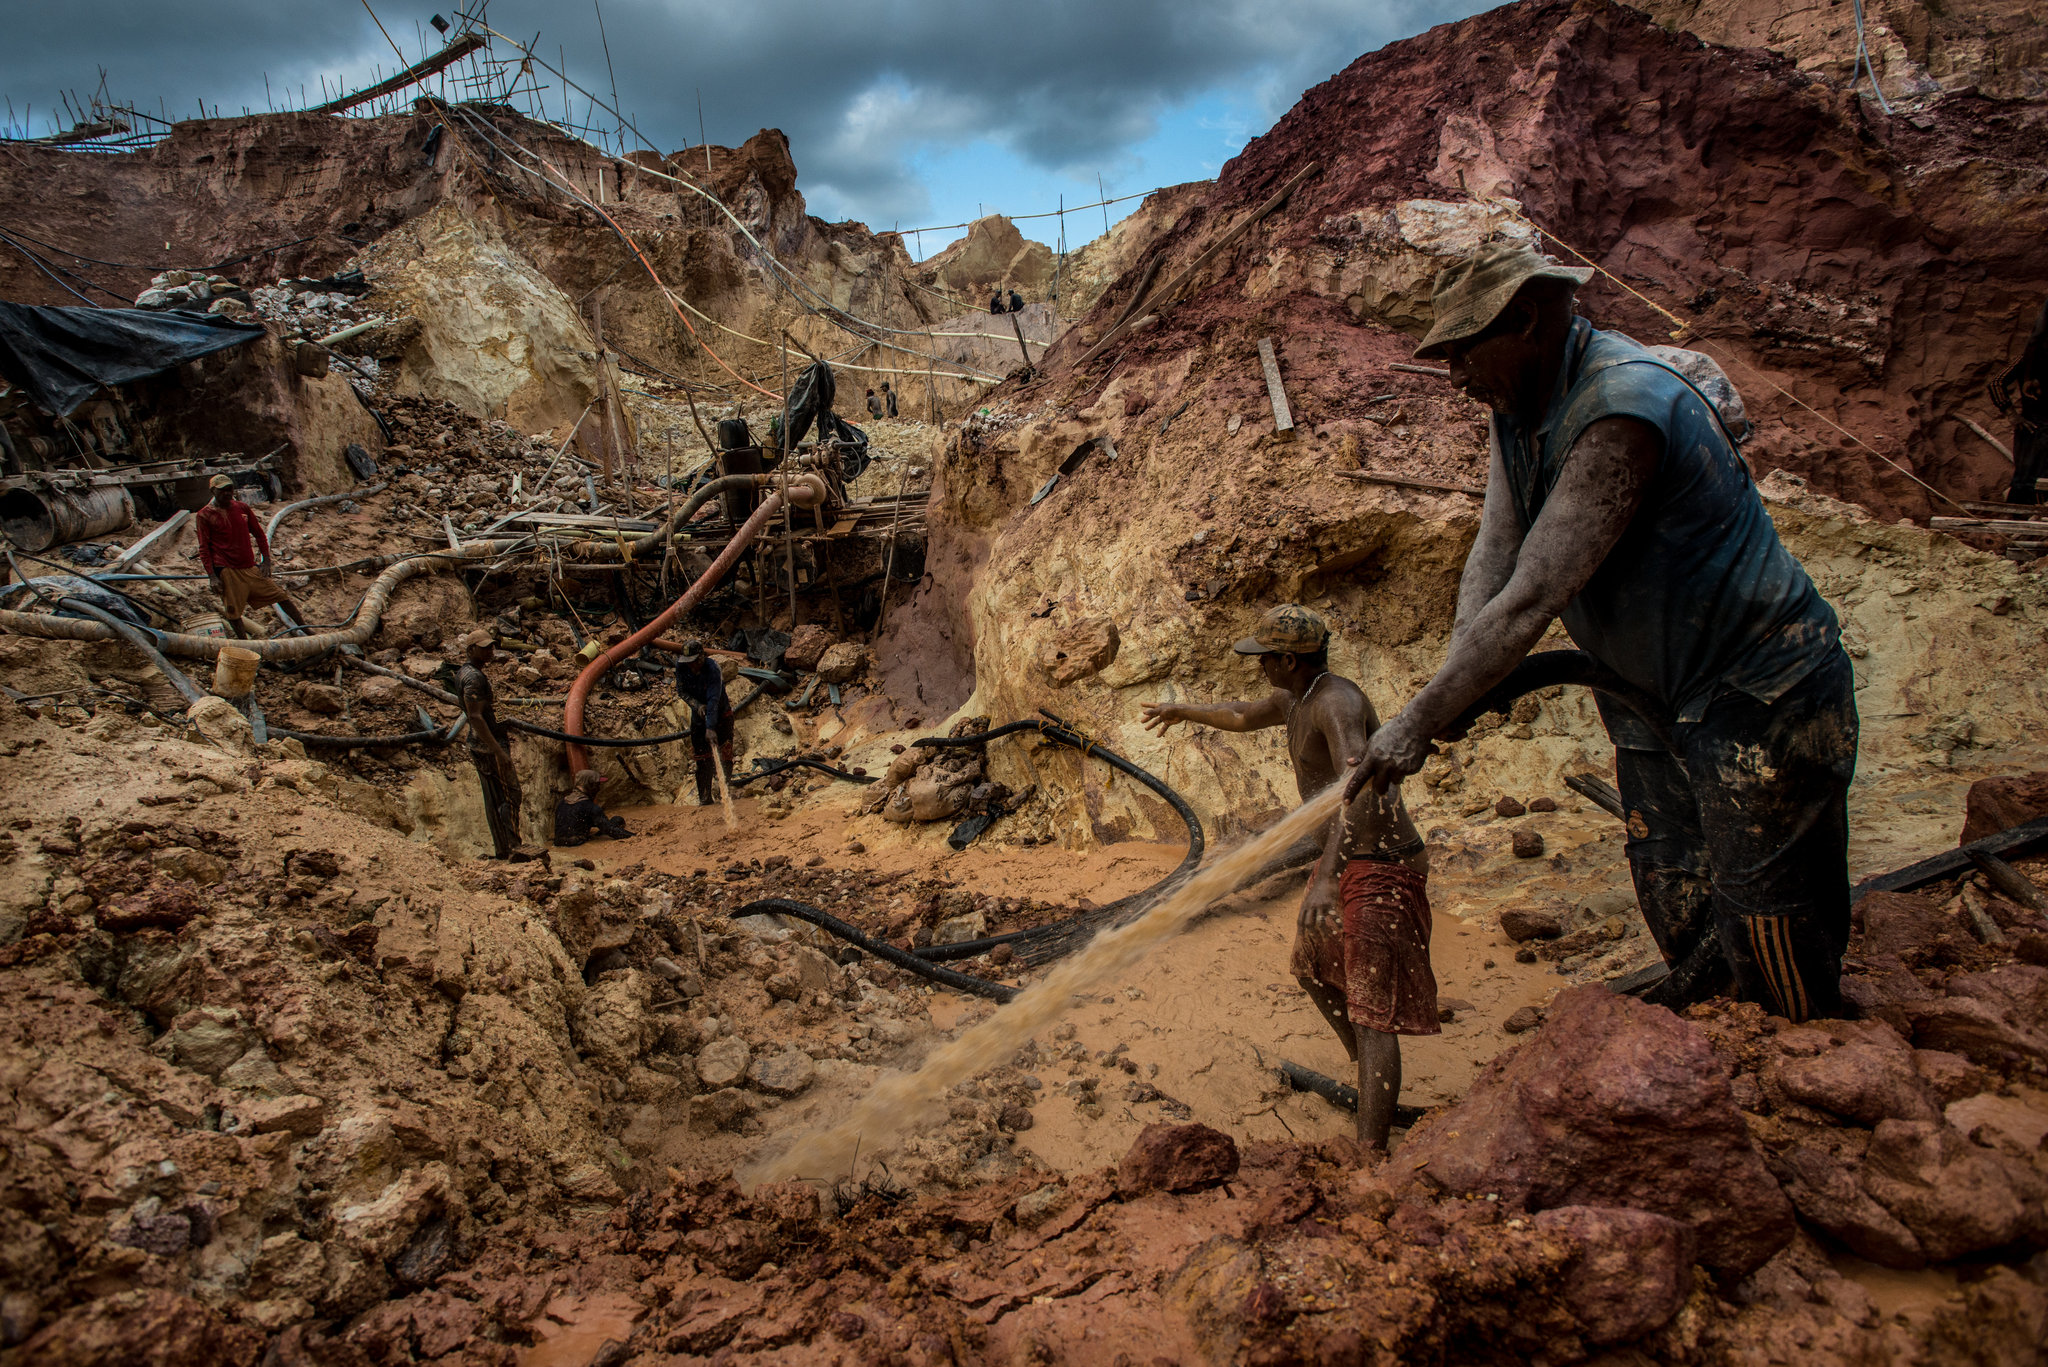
(858, 85)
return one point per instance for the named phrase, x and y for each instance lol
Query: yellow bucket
(234, 671)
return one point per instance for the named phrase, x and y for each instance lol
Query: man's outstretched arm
(1596, 496)
(1256, 715)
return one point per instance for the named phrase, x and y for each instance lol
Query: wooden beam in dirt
(2020, 511)
(136, 551)
(418, 71)
(2020, 840)
(2002, 526)
(1368, 477)
(1998, 445)
(1434, 372)
(1283, 419)
(1018, 328)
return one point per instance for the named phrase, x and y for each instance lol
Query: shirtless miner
(1362, 953)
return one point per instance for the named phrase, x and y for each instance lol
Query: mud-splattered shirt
(1699, 593)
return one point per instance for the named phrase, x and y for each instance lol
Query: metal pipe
(367, 616)
(278, 517)
(136, 637)
(36, 521)
(810, 490)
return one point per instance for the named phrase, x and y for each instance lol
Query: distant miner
(888, 398)
(2022, 392)
(489, 749)
(240, 573)
(875, 409)
(701, 684)
(1615, 500)
(578, 816)
(1362, 951)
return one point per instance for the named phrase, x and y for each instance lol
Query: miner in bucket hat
(1616, 501)
(1361, 949)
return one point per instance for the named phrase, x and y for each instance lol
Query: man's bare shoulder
(1334, 693)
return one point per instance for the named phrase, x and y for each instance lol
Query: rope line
(1684, 327)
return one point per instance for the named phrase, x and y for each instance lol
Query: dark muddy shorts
(1744, 844)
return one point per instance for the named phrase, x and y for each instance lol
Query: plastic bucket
(205, 624)
(234, 671)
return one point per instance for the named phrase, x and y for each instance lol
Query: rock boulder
(841, 662)
(1075, 652)
(1612, 1103)
(1527, 923)
(2001, 803)
(1868, 1079)
(324, 699)
(723, 1062)
(1176, 1158)
(1632, 1273)
(788, 1073)
(1956, 1197)
(807, 644)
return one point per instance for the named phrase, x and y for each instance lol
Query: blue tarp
(63, 356)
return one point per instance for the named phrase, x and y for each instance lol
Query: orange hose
(805, 491)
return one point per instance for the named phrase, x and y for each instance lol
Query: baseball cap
(220, 482)
(1287, 629)
(692, 651)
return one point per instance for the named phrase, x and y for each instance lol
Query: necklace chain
(1306, 694)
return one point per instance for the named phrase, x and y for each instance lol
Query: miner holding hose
(1616, 500)
(1362, 949)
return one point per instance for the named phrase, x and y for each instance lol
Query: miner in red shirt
(240, 572)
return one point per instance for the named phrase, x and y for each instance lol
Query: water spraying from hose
(902, 1102)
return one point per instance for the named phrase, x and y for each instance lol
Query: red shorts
(1381, 965)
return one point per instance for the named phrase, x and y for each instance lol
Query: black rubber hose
(1053, 729)
(437, 736)
(888, 953)
(630, 744)
(784, 766)
(1337, 1093)
(137, 637)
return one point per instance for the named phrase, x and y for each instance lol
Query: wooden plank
(135, 552)
(1598, 791)
(1368, 477)
(1283, 420)
(418, 71)
(2003, 526)
(1429, 370)
(1998, 445)
(2020, 840)
(2014, 510)
(596, 521)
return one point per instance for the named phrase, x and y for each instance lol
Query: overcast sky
(899, 112)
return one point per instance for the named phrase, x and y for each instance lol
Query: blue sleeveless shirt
(1699, 593)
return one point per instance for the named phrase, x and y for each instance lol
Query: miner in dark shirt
(701, 684)
(578, 816)
(2022, 393)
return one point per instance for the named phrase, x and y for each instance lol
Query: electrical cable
(49, 264)
(37, 262)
